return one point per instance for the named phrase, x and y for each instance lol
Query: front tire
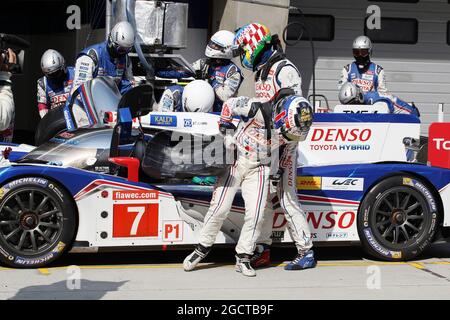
(37, 222)
(398, 218)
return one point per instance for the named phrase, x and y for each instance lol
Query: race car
(109, 187)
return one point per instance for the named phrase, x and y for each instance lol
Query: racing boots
(243, 265)
(192, 260)
(261, 256)
(303, 260)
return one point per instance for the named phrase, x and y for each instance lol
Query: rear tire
(50, 125)
(37, 222)
(398, 218)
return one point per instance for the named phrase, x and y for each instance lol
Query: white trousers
(254, 183)
(286, 194)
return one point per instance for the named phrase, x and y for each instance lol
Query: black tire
(50, 125)
(37, 222)
(398, 218)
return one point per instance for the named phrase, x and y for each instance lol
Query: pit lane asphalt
(342, 273)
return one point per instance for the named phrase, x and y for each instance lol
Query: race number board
(136, 213)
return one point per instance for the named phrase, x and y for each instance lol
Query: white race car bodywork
(179, 220)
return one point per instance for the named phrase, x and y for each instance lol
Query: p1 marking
(173, 231)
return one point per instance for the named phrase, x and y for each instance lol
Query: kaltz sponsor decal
(135, 195)
(163, 121)
(344, 184)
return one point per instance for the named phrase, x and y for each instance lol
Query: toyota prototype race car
(116, 183)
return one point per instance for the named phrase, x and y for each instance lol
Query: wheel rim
(31, 221)
(399, 217)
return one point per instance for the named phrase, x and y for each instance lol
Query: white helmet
(51, 62)
(350, 93)
(221, 45)
(121, 39)
(198, 96)
(362, 50)
(362, 42)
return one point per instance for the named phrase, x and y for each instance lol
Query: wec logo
(345, 182)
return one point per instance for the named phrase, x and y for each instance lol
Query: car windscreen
(84, 149)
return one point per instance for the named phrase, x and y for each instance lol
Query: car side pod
(132, 165)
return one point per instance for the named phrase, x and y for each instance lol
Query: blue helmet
(293, 118)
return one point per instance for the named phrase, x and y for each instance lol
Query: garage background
(413, 44)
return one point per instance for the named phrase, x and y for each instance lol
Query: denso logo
(341, 135)
(262, 87)
(321, 220)
(442, 144)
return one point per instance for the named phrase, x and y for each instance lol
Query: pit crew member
(362, 72)
(108, 58)
(248, 172)
(7, 61)
(263, 54)
(54, 87)
(217, 68)
(350, 93)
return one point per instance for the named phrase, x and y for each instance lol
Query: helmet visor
(215, 46)
(57, 74)
(121, 50)
(360, 52)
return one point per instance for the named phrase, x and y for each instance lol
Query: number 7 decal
(140, 212)
(138, 220)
